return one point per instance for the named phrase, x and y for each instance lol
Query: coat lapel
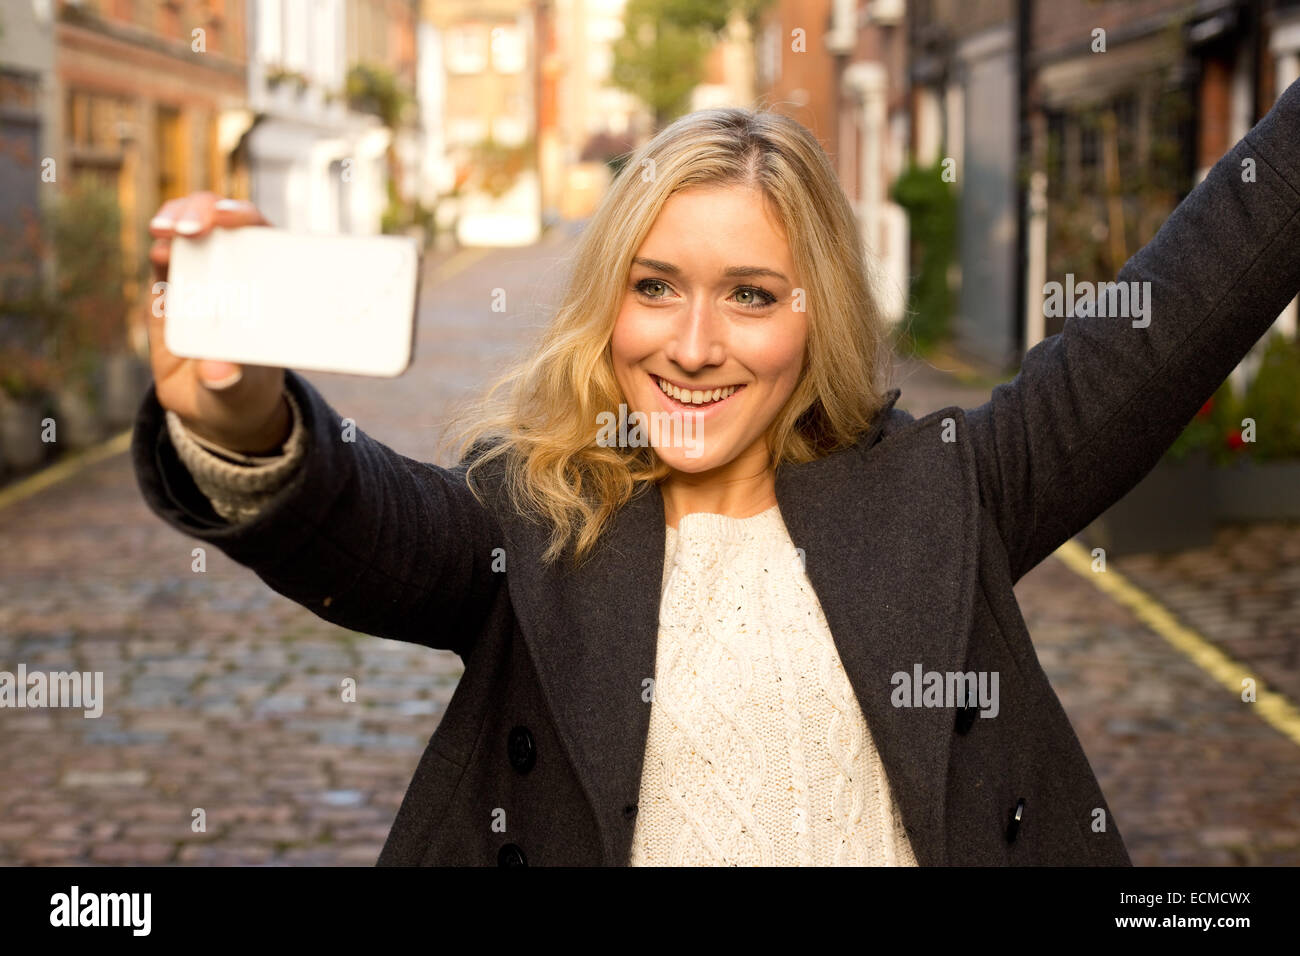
(593, 639)
(890, 540)
(867, 518)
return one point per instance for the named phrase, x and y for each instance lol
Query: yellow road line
(1270, 705)
(62, 469)
(459, 261)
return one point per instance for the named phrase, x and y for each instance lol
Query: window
(467, 49)
(1055, 149)
(324, 52)
(18, 91)
(171, 184)
(297, 30)
(769, 54)
(510, 130)
(466, 130)
(269, 30)
(1089, 147)
(93, 121)
(508, 49)
(600, 61)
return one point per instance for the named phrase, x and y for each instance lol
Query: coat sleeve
(362, 536)
(1096, 406)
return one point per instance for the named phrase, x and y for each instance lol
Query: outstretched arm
(1095, 407)
(362, 536)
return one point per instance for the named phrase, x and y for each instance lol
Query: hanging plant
(373, 89)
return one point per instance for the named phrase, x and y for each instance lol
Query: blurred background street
(988, 149)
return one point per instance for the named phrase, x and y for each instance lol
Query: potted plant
(1172, 507)
(369, 88)
(124, 378)
(497, 166)
(24, 378)
(26, 321)
(1259, 452)
(77, 404)
(89, 307)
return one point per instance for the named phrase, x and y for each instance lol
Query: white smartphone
(263, 296)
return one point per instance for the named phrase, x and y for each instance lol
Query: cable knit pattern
(238, 485)
(758, 753)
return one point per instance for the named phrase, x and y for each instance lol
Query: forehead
(703, 225)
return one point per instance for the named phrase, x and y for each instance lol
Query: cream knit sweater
(758, 753)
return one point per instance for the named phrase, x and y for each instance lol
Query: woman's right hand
(241, 407)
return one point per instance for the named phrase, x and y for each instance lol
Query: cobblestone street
(222, 695)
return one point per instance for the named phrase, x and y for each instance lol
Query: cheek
(780, 358)
(627, 344)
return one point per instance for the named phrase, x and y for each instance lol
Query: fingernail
(160, 222)
(219, 384)
(228, 204)
(187, 227)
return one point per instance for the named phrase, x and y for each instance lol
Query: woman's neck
(733, 490)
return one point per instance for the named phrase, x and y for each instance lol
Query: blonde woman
(780, 629)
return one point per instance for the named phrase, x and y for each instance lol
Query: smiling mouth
(695, 398)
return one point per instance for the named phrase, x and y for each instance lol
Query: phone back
(263, 296)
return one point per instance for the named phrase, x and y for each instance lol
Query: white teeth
(694, 396)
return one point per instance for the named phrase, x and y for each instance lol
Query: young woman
(779, 629)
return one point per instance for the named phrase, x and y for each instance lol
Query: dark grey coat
(912, 544)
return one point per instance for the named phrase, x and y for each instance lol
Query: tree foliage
(659, 59)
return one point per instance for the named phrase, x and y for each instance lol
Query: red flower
(1234, 440)
(1206, 408)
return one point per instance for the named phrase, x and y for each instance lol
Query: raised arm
(1095, 407)
(362, 536)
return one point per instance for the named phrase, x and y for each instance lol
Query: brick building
(149, 102)
(839, 67)
(1076, 128)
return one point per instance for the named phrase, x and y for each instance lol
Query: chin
(686, 459)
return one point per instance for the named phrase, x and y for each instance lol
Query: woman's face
(710, 304)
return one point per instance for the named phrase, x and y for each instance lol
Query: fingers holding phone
(239, 406)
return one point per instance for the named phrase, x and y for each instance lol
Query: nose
(697, 339)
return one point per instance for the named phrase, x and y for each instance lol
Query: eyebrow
(732, 272)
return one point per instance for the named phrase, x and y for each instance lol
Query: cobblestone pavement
(223, 696)
(1242, 592)
(1191, 774)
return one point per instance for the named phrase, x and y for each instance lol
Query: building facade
(317, 161)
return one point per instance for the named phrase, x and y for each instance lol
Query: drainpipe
(1024, 20)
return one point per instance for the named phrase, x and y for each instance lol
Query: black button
(511, 855)
(1013, 827)
(629, 811)
(522, 749)
(965, 719)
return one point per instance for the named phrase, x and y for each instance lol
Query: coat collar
(593, 642)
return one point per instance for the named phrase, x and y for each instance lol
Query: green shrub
(1211, 428)
(1273, 401)
(931, 206)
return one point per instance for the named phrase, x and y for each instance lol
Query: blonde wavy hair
(545, 426)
